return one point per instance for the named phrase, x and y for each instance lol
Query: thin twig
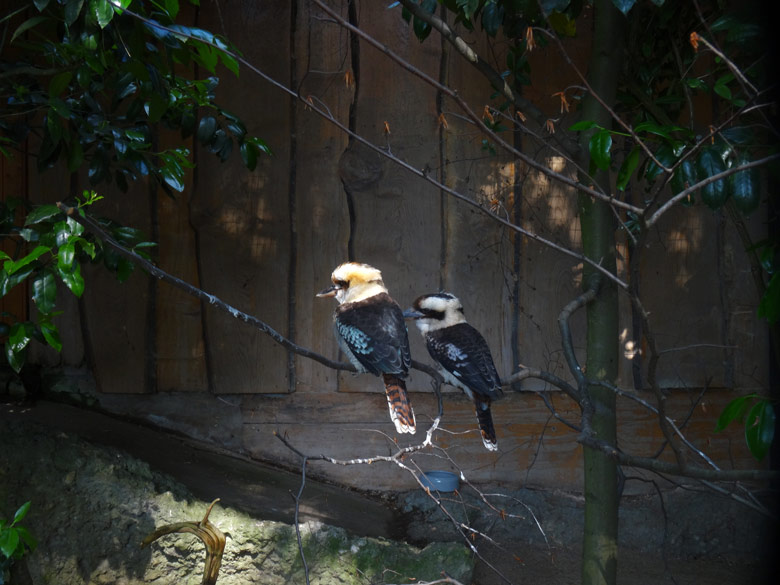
(297, 499)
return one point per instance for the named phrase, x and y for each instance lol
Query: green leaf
(75, 227)
(27, 25)
(206, 129)
(562, 24)
(72, 10)
(734, 410)
(769, 306)
(261, 145)
(627, 168)
(709, 164)
(21, 513)
(41, 213)
(624, 5)
(102, 10)
(66, 255)
(59, 83)
(739, 134)
(9, 540)
(760, 428)
(658, 130)
(155, 108)
(583, 125)
(18, 338)
(421, 28)
(208, 56)
(27, 538)
(44, 291)
(684, 177)
(723, 91)
(743, 189)
(230, 62)
(121, 5)
(469, 7)
(600, 145)
(11, 267)
(492, 17)
(51, 335)
(16, 361)
(249, 155)
(60, 107)
(72, 278)
(124, 269)
(172, 178)
(75, 156)
(9, 281)
(696, 83)
(172, 8)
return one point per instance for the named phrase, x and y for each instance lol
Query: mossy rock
(92, 506)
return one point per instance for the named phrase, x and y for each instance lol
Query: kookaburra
(462, 353)
(371, 331)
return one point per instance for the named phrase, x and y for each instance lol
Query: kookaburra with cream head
(371, 331)
(462, 353)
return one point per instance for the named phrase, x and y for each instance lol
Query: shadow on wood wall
(267, 241)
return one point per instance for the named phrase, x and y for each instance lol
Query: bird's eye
(341, 283)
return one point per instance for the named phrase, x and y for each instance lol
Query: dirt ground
(718, 556)
(538, 566)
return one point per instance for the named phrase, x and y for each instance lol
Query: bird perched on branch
(462, 353)
(371, 331)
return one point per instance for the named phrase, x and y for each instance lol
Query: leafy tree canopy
(93, 82)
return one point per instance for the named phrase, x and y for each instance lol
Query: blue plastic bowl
(443, 481)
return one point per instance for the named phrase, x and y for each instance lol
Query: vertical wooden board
(549, 279)
(397, 217)
(681, 289)
(241, 217)
(69, 327)
(45, 188)
(322, 218)
(478, 256)
(13, 184)
(180, 353)
(116, 315)
(180, 356)
(746, 331)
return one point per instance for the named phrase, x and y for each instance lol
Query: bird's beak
(329, 292)
(412, 314)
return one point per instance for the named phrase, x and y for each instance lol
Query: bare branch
(297, 499)
(663, 467)
(161, 274)
(422, 173)
(494, 77)
(476, 119)
(604, 105)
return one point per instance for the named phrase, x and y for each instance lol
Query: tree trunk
(599, 551)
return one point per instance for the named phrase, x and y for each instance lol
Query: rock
(92, 506)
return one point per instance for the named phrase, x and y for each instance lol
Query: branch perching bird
(462, 353)
(371, 331)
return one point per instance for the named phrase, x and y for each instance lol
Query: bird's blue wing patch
(358, 341)
(374, 331)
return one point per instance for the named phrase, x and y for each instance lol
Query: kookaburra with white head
(462, 353)
(371, 331)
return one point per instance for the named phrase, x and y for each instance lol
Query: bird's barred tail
(485, 421)
(401, 412)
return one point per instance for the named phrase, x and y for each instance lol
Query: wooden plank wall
(267, 241)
